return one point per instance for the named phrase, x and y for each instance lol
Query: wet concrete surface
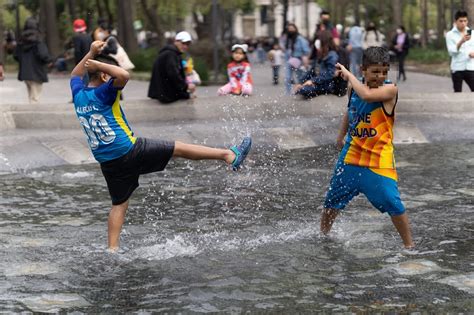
(200, 238)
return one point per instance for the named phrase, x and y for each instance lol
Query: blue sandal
(241, 152)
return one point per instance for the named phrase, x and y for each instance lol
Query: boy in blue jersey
(366, 163)
(122, 156)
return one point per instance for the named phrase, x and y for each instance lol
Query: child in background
(192, 77)
(366, 163)
(276, 59)
(238, 70)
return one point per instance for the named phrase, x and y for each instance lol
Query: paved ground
(57, 90)
(48, 134)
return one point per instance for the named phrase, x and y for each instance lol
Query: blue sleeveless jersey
(99, 112)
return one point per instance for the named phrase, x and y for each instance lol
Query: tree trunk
(271, 19)
(469, 5)
(306, 18)
(151, 15)
(2, 49)
(110, 15)
(285, 14)
(48, 12)
(202, 27)
(71, 4)
(424, 22)
(397, 12)
(357, 12)
(125, 26)
(340, 13)
(441, 23)
(98, 6)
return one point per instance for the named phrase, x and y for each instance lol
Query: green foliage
(144, 59)
(428, 55)
(204, 6)
(9, 19)
(202, 69)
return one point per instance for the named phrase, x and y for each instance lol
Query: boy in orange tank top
(366, 163)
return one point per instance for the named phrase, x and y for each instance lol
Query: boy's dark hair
(460, 14)
(105, 59)
(375, 56)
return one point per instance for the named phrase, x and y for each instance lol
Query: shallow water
(199, 238)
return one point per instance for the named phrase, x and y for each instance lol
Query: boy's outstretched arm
(96, 48)
(120, 75)
(384, 93)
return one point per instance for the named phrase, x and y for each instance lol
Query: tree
(151, 14)
(469, 5)
(48, 20)
(357, 12)
(271, 19)
(424, 22)
(2, 50)
(397, 12)
(125, 26)
(441, 25)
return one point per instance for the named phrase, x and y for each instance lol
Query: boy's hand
(342, 71)
(96, 47)
(92, 65)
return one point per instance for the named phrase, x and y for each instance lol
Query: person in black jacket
(81, 40)
(33, 57)
(168, 81)
(401, 45)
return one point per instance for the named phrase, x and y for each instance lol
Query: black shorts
(146, 156)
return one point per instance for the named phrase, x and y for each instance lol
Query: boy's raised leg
(403, 227)
(234, 156)
(116, 219)
(327, 219)
(200, 152)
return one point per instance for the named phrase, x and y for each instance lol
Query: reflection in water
(200, 238)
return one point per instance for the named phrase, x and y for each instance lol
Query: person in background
(323, 25)
(102, 31)
(297, 52)
(81, 41)
(260, 52)
(323, 82)
(401, 44)
(238, 71)
(373, 38)
(460, 44)
(192, 77)
(168, 80)
(276, 56)
(355, 49)
(33, 57)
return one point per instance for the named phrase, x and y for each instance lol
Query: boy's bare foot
(112, 250)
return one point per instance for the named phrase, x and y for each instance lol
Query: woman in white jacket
(373, 37)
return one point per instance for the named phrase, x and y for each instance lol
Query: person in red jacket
(238, 70)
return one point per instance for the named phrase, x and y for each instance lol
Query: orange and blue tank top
(369, 137)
